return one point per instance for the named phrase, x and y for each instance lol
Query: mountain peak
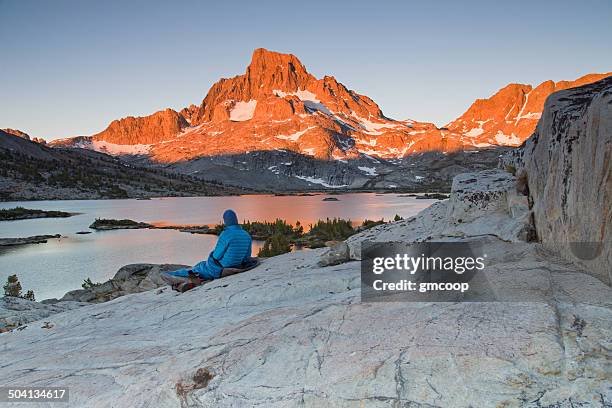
(271, 70)
(262, 57)
(16, 132)
(277, 105)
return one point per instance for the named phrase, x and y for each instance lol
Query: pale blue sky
(70, 67)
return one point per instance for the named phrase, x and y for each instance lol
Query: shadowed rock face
(567, 163)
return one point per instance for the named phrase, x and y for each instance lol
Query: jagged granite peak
(272, 75)
(278, 106)
(511, 114)
(275, 105)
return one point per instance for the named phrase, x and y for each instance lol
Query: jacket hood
(230, 218)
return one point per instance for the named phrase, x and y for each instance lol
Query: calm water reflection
(60, 265)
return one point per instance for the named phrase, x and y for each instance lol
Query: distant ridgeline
(32, 170)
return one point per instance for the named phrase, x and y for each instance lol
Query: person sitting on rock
(233, 250)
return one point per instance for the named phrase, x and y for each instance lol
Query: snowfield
(243, 111)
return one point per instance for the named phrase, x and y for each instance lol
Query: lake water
(60, 265)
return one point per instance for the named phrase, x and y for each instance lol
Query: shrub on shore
(277, 244)
(88, 284)
(262, 230)
(336, 229)
(367, 224)
(13, 288)
(280, 236)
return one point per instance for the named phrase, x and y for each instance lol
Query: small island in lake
(102, 224)
(20, 213)
(432, 196)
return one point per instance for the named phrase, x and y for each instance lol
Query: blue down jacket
(232, 249)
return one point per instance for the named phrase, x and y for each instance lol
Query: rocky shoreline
(110, 224)
(20, 213)
(295, 332)
(35, 239)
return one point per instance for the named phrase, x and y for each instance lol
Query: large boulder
(480, 204)
(338, 252)
(480, 200)
(567, 165)
(129, 279)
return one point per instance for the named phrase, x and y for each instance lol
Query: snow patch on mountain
(303, 95)
(294, 136)
(372, 128)
(474, 132)
(311, 102)
(315, 180)
(506, 140)
(115, 149)
(531, 115)
(274, 169)
(243, 111)
(370, 171)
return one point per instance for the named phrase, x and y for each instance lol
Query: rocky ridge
(510, 116)
(33, 171)
(23, 135)
(278, 105)
(289, 128)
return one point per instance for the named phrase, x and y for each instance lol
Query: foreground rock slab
(15, 312)
(290, 333)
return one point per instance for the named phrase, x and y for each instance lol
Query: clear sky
(70, 67)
